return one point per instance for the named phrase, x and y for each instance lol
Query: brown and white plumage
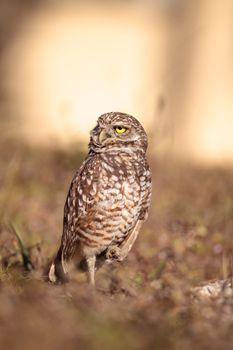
(108, 198)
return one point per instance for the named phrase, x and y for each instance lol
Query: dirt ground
(144, 302)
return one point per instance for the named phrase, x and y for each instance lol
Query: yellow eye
(120, 129)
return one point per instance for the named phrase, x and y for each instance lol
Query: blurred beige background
(167, 62)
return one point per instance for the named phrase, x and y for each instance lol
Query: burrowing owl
(108, 199)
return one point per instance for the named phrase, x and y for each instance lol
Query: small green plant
(23, 250)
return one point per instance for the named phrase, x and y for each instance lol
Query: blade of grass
(23, 250)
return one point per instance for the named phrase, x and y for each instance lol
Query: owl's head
(118, 131)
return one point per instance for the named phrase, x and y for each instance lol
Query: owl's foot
(113, 253)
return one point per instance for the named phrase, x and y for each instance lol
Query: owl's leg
(119, 253)
(91, 269)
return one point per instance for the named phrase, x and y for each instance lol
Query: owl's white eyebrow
(121, 125)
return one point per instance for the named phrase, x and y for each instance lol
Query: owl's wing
(79, 201)
(146, 190)
(73, 210)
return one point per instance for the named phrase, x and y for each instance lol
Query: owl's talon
(113, 254)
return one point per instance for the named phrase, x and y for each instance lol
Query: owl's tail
(58, 270)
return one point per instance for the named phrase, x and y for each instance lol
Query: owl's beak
(103, 136)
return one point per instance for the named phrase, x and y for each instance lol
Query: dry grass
(144, 302)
